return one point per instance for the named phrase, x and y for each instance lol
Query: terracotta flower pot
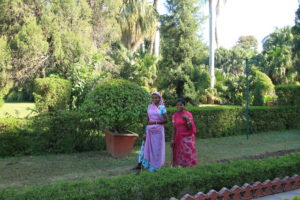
(119, 145)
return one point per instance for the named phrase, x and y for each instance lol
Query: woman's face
(155, 99)
(180, 106)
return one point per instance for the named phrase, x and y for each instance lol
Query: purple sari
(154, 149)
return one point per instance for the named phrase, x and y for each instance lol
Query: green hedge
(165, 183)
(14, 136)
(53, 132)
(52, 94)
(221, 121)
(68, 131)
(288, 94)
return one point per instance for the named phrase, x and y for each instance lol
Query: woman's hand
(188, 120)
(185, 117)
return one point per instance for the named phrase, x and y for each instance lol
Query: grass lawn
(19, 110)
(32, 170)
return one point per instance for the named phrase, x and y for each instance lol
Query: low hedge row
(221, 121)
(165, 183)
(67, 131)
(54, 132)
(288, 94)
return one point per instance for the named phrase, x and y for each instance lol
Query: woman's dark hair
(180, 100)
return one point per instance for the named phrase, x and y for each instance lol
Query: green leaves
(116, 104)
(52, 94)
(166, 183)
(288, 94)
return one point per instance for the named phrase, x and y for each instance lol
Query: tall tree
(106, 29)
(278, 58)
(138, 21)
(181, 47)
(296, 41)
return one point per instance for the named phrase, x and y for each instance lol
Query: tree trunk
(218, 12)
(136, 45)
(212, 42)
(154, 44)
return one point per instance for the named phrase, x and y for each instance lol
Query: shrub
(288, 94)
(66, 132)
(14, 136)
(51, 94)
(116, 104)
(221, 121)
(52, 132)
(165, 183)
(262, 86)
(69, 131)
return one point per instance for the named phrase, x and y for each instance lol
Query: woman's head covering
(158, 94)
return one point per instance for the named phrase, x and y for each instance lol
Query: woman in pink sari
(183, 137)
(152, 155)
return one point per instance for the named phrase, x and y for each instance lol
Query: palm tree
(155, 39)
(138, 21)
(214, 12)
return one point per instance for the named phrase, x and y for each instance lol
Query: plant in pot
(116, 105)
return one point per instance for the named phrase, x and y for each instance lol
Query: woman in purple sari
(152, 155)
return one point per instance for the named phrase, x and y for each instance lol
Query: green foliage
(116, 104)
(5, 61)
(278, 57)
(84, 80)
(14, 136)
(232, 61)
(66, 132)
(52, 94)
(30, 48)
(166, 183)
(69, 131)
(52, 132)
(137, 67)
(248, 42)
(231, 89)
(138, 21)
(182, 52)
(222, 121)
(288, 94)
(296, 42)
(263, 86)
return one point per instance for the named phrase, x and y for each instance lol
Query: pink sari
(184, 150)
(154, 150)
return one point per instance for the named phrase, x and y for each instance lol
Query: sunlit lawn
(32, 170)
(19, 110)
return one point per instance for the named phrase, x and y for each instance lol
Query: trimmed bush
(116, 104)
(69, 131)
(165, 183)
(52, 94)
(288, 94)
(14, 136)
(52, 132)
(66, 132)
(262, 86)
(221, 121)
